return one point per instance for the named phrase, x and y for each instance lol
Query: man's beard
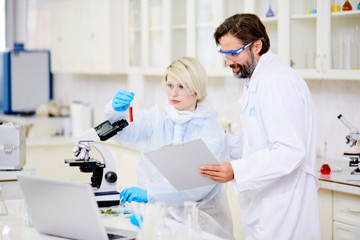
(246, 70)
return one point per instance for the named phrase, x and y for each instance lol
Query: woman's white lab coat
(275, 178)
(154, 128)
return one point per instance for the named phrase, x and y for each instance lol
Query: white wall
(330, 97)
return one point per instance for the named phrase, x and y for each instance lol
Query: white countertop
(12, 226)
(340, 178)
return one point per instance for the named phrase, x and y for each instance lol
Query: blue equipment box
(25, 80)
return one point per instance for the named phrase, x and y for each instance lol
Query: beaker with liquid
(335, 6)
(325, 168)
(347, 6)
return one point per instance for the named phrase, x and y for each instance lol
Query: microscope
(352, 139)
(104, 177)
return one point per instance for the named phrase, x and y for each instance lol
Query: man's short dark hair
(246, 27)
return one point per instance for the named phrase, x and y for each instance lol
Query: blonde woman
(187, 116)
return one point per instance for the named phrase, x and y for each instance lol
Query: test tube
(130, 114)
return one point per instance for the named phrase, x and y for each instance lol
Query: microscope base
(107, 199)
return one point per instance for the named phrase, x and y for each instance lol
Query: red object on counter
(130, 114)
(325, 169)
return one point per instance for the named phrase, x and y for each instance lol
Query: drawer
(346, 208)
(344, 231)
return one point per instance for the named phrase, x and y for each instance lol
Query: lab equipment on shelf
(335, 6)
(270, 12)
(347, 6)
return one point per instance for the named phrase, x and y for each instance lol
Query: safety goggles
(234, 55)
(183, 90)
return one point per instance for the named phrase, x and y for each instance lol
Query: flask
(191, 221)
(325, 168)
(347, 6)
(3, 208)
(270, 12)
(161, 231)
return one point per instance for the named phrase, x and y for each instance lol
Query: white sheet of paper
(180, 163)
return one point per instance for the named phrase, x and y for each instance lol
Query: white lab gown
(275, 177)
(152, 129)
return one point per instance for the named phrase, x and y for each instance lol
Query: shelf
(180, 26)
(303, 17)
(346, 14)
(32, 120)
(269, 20)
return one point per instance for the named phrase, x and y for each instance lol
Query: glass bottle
(358, 6)
(347, 6)
(3, 208)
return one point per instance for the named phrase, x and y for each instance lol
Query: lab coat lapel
(253, 82)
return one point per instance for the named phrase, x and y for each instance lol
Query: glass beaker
(191, 221)
(3, 208)
(335, 6)
(161, 231)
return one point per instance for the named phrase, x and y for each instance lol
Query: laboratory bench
(339, 195)
(339, 202)
(14, 225)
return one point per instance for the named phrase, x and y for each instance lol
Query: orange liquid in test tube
(130, 114)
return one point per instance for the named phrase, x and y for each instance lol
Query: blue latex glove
(136, 219)
(133, 194)
(122, 100)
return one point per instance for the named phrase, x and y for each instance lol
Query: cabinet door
(170, 29)
(325, 213)
(304, 37)
(178, 31)
(268, 12)
(342, 55)
(63, 37)
(324, 44)
(135, 47)
(87, 36)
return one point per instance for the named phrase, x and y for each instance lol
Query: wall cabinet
(88, 37)
(324, 45)
(161, 31)
(321, 45)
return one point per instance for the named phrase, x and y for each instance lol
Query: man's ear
(257, 46)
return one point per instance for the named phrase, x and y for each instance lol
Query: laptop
(66, 209)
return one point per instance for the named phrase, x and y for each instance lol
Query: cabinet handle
(324, 63)
(317, 63)
(354, 210)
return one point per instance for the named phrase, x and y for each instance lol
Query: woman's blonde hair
(190, 73)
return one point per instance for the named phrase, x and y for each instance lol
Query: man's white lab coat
(275, 178)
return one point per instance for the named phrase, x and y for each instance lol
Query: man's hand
(221, 174)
